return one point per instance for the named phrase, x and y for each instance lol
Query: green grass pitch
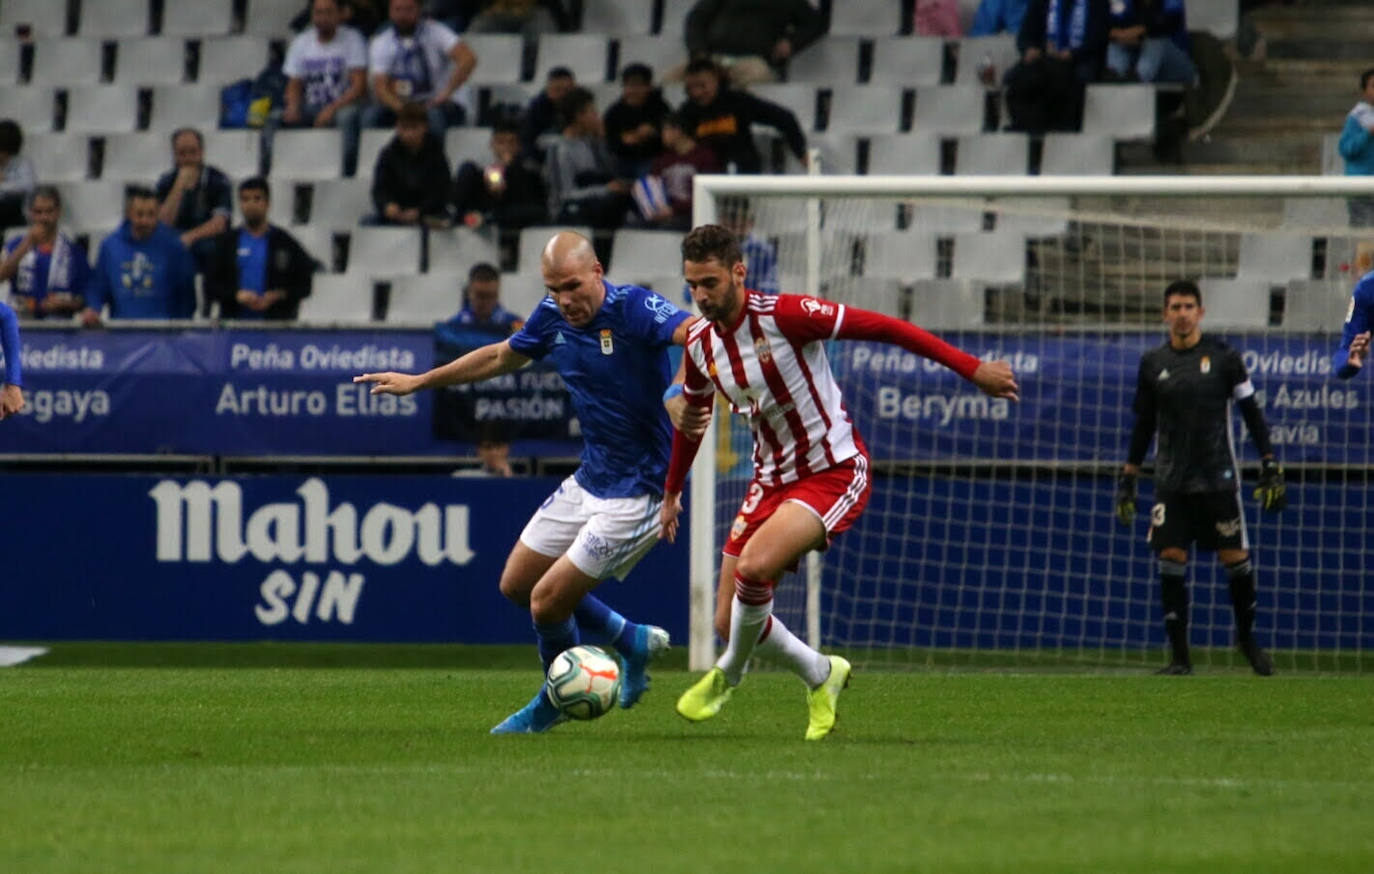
(279, 758)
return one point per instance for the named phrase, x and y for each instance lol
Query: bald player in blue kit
(610, 345)
(1355, 333)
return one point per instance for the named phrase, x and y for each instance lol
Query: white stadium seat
(58, 157)
(370, 146)
(92, 207)
(229, 58)
(1218, 17)
(66, 61)
(340, 203)
(993, 155)
(834, 59)
(839, 153)
(865, 18)
(881, 295)
(384, 251)
(637, 254)
(661, 53)
(532, 243)
(32, 107)
(197, 17)
(908, 60)
(177, 106)
(498, 57)
(152, 60)
(1122, 112)
(9, 62)
(454, 252)
(307, 154)
(136, 157)
(1236, 303)
(317, 241)
(44, 18)
(341, 298)
(949, 109)
(424, 299)
(467, 144)
(102, 109)
(114, 19)
(904, 154)
(270, 17)
(999, 51)
(235, 152)
(1313, 304)
(947, 304)
(989, 257)
(674, 22)
(617, 17)
(900, 255)
(1275, 258)
(584, 54)
(522, 292)
(1066, 154)
(1032, 216)
(799, 98)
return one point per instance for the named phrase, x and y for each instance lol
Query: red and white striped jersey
(772, 368)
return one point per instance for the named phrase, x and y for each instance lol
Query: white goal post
(1064, 272)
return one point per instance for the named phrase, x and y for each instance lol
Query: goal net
(990, 537)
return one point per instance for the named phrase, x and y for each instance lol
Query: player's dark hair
(573, 103)
(642, 72)
(1184, 288)
(559, 73)
(711, 241)
(11, 137)
(256, 183)
(200, 138)
(47, 192)
(1365, 77)
(483, 272)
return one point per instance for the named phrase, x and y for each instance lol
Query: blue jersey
(616, 369)
(1357, 320)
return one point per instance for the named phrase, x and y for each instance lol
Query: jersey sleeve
(380, 54)
(531, 340)
(1357, 321)
(652, 316)
(441, 36)
(1237, 376)
(355, 50)
(291, 66)
(1145, 417)
(803, 318)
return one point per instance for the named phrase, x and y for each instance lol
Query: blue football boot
(650, 641)
(536, 717)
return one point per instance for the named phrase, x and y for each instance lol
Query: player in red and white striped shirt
(766, 355)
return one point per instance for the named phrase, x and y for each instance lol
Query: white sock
(746, 623)
(800, 659)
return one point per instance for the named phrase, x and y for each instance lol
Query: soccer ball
(584, 682)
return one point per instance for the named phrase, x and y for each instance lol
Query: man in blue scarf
(1062, 44)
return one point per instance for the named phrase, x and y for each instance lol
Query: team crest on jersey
(1228, 527)
(763, 350)
(738, 528)
(1205, 365)
(1164, 374)
(815, 307)
(607, 347)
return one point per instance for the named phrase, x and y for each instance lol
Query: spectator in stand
(17, 176)
(664, 196)
(760, 256)
(47, 270)
(1148, 41)
(584, 188)
(505, 192)
(998, 16)
(326, 68)
(541, 124)
(937, 18)
(417, 60)
(482, 312)
(410, 183)
(632, 122)
(530, 18)
(143, 271)
(720, 118)
(752, 39)
(260, 271)
(1062, 43)
(1357, 148)
(194, 198)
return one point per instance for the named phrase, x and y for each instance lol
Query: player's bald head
(568, 251)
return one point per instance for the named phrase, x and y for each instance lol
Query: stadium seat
(839, 153)
(102, 109)
(947, 304)
(674, 21)
(949, 109)
(993, 155)
(229, 58)
(1217, 17)
(454, 252)
(989, 257)
(235, 152)
(424, 299)
(136, 157)
(44, 18)
(1236, 303)
(904, 154)
(340, 203)
(114, 19)
(881, 295)
(498, 58)
(670, 286)
(778, 215)
(176, 106)
(1314, 213)
(281, 209)
(92, 207)
(1066, 154)
(532, 241)
(831, 60)
(799, 98)
(270, 18)
(1031, 216)
(899, 255)
(1122, 112)
(9, 62)
(521, 292)
(340, 298)
(66, 62)
(1274, 258)
(307, 154)
(197, 17)
(661, 53)
(373, 141)
(1312, 304)
(317, 240)
(470, 144)
(947, 216)
(998, 50)
(865, 18)
(617, 17)
(908, 60)
(384, 251)
(587, 55)
(638, 254)
(151, 60)
(32, 107)
(58, 157)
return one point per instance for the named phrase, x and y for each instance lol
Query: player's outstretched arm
(479, 364)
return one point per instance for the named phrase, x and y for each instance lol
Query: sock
(749, 612)
(779, 643)
(596, 616)
(555, 638)
(1242, 575)
(1174, 592)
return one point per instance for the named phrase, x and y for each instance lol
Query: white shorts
(602, 537)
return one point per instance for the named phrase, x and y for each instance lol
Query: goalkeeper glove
(1271, 492)
(1125, 499)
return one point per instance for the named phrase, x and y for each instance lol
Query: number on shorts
(751, 500)
(1157, 516)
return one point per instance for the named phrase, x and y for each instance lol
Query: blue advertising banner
(285, 558)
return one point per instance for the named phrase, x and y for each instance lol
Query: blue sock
(595, 615)
(555, 638)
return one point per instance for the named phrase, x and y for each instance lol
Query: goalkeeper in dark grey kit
(1184, 390)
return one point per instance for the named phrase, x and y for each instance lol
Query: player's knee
(545, 605)
(754, 565)
(515, 590)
